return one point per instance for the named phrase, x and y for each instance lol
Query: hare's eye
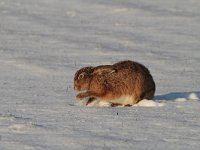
(81, 76)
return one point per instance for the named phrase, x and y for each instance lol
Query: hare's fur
(125, 82)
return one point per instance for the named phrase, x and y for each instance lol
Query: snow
(104, 103)
(44, 42)
(149, 103)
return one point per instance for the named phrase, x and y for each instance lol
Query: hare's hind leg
(149, 95)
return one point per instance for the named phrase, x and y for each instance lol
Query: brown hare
(123, 83)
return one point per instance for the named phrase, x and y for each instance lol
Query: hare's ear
(81, 76)
(90, 69)
(104, 71)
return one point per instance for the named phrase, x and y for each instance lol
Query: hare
(123, 83)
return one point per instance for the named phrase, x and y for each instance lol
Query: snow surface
(104, 103)
(44, 42)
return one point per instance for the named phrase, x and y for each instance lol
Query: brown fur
(109, 82)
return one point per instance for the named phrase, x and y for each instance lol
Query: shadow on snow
(176, 95)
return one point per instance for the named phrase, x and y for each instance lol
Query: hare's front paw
(80, 96)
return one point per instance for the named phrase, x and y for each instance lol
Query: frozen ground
(43, 43)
